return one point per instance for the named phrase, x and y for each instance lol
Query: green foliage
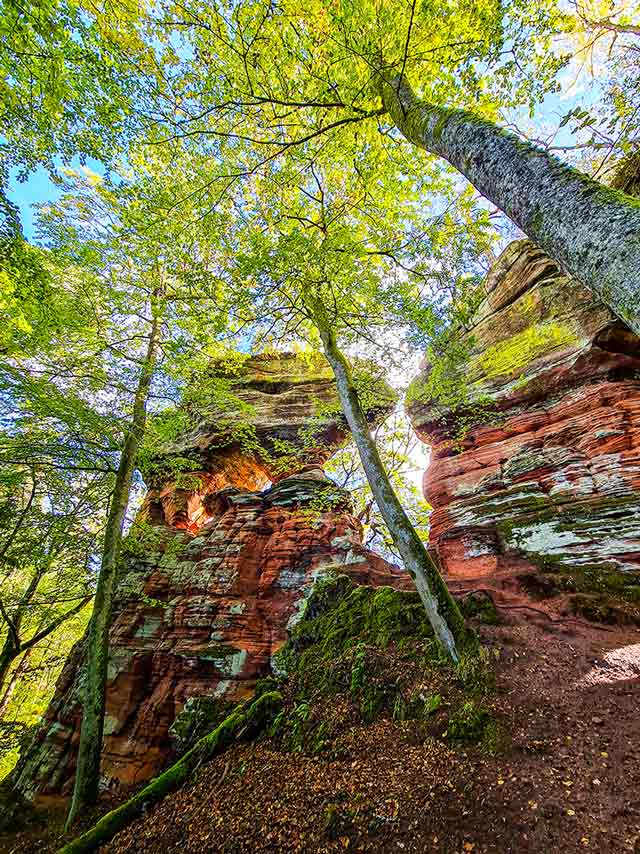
(468, 723)
(480, 606)
(145, 539)
(67, 84)
(25, 293)
(475, 670)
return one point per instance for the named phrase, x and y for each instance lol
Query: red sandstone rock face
(208, 586)
(549, 473)
(261, 419)
(202, 615)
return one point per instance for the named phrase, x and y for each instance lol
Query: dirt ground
(569, 780)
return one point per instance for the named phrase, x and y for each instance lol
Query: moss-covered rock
(199, 716)
(531, 412)
(358, 653)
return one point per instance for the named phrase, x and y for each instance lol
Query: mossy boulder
(359, 653)
(198, 716)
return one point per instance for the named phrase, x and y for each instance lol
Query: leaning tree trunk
(592, 231)
(88, 767)
(8, 655)
(13, 682)
(443, 613)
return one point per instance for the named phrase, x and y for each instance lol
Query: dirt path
(569, 694)
(570, 782)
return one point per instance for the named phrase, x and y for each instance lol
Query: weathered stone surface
(263, 418)
(548, 475)
(215, 569)
(201, 615)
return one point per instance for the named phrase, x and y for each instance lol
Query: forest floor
(568, 780)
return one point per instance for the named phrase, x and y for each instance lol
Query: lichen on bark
(592, 231)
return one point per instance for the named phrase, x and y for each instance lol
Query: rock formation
(211, 576)
(547, 473)
(254, 420)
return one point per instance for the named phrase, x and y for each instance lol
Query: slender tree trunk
(88, 767)
(11, 646)
(13, 681)
(14, 645)
(8, 655)
(592, 231)
(443, 613)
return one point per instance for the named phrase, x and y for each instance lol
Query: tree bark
(13, 681)
(443, 613)
(87, 779)
(591, 231)
(8, 655)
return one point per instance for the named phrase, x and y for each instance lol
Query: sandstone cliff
(261, 418)
(211, 576)
(547, 473)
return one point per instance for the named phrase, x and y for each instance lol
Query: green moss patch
(479, 606)
(359, 654)
(596, 593)
(516, 353)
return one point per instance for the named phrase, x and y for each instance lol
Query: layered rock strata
(539, 467)
(210, 579)
(251, 421)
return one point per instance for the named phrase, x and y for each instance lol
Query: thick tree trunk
(88, 766)
(443, 613)
(592, 231)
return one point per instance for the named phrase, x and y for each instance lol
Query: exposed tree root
(250, 717)
(506, 606)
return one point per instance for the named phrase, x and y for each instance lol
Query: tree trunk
(443, 613)
(592, 231)
(88, 765)
(14, 645)
(8, 655)
(13, 681)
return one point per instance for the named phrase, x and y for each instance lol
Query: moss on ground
(480, 606)
(597, 593)
(360, 653)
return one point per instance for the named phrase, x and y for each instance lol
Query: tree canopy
(325, 176)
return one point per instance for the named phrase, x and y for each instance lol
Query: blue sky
(39, 188)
